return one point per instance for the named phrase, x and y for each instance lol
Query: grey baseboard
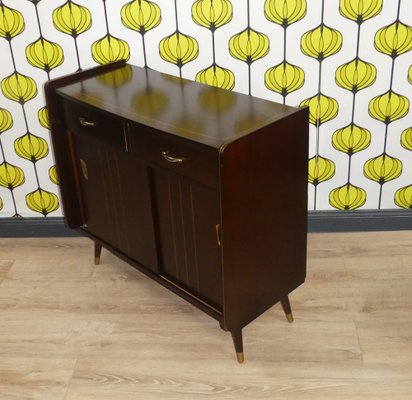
(318, 221)
(35, 227)
(360, 221)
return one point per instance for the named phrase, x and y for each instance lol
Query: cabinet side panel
(61, 144)
(264, 217)
(63, 158)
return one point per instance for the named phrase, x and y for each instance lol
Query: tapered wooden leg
(97, 252)
(286, 308)
(238, 342)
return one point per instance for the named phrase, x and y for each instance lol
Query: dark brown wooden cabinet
(202, 189)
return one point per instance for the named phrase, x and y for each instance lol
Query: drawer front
(94, 125)
(178, 155)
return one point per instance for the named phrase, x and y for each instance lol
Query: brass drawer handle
(84, 122)
(172, 159)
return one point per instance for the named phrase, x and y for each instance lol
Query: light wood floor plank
(224, 380)
(5, 266)
(75, 331)
(34, 378)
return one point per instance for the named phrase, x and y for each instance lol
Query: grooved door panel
(188, 213)
(116, 200)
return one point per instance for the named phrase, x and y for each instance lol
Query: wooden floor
(75, 331)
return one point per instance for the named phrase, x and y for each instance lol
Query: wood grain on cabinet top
(201, 113)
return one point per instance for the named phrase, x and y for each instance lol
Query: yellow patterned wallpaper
(348, 60)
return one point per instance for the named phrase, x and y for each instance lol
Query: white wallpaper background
(349, 60)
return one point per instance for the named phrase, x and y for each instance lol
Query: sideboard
(202, 189)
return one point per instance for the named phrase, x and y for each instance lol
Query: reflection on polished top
(191, 110)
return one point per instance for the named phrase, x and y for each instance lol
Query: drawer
(93, 124)
(179, 155)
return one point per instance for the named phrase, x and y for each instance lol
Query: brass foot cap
(289, 317)
(240, 358)
(97, 260)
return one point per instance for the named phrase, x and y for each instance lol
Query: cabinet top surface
(188, 109)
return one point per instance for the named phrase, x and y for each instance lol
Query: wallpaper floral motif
(350, 61)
